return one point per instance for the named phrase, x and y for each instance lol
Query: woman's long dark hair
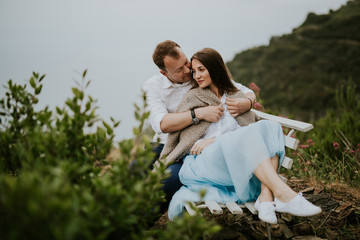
(218, 71)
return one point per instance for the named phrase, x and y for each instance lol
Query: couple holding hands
(209, 138)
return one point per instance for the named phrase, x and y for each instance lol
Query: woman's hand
(200, 146)
(210, 113)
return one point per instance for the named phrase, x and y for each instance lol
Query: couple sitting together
(214, 141)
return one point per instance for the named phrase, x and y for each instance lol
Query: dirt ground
(340, 218)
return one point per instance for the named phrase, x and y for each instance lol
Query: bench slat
(234, 208)
(291, 142)
(189, 208)
(287, 163)
(214, 207)
(251, 207)
(290, 123)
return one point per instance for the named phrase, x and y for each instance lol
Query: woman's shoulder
(192, 92)
(236, 94)
(203, 95)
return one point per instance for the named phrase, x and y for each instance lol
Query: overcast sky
(114, 40)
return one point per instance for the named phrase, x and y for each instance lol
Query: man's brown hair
(166, 48)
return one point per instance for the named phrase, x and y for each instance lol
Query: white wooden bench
(292, 143)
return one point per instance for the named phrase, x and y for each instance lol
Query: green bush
(56, 181)
(331, 151)
(189, 228)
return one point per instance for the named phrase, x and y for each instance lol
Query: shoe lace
(304, 201)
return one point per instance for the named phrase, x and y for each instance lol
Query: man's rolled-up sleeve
(156, 106)
(242, 88)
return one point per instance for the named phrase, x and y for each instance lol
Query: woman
(234, 159)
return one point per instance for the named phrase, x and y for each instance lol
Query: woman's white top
(226, 123)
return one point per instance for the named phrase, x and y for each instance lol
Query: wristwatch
(195, 120)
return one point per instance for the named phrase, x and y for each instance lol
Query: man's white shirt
(163, 97)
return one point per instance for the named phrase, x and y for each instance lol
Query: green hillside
(298, 73)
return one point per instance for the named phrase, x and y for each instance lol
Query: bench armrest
(290, 123)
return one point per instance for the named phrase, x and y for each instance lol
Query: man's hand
(210, 113)
(200, 146)
(237, 106)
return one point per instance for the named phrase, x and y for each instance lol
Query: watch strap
(193, 113)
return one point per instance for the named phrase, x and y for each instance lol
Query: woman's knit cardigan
(180, 142)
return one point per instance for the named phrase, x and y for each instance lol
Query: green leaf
(137, 116)
(32, 82)
(136, 131)
(36, 75)
(88, 83)
(42, 77)
(87, 106)
(116, 124)
(58, 110)
(101, 133)
(146, 115)
(76, 92)
(108, 128)
(81, 95)
(84, 73)
(38, 90)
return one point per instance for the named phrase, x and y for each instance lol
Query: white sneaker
(299, 206)
(266, 211)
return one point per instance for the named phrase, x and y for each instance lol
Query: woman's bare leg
(266, 172)
(266, 195)
(275, 162)
(286, 199)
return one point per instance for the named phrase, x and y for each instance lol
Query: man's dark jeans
(171, 184)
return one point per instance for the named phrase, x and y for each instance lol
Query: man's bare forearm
(173, 122)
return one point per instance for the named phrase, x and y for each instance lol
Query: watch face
(195, 120)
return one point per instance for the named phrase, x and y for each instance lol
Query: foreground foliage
(56, 181)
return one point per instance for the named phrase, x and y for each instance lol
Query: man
(164, 93)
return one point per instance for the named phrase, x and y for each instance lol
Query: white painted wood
(222, 205)
(287, 163)
(201, 206)
(290, 133)
(189, 208)
(251, 207)
(291, 142)
(214, 207)
(290, 123)
(234, 208)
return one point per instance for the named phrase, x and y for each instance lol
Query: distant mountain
(298, 73)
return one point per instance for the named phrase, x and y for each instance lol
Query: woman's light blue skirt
(225, 168)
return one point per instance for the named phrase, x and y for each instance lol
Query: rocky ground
(340, 218)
